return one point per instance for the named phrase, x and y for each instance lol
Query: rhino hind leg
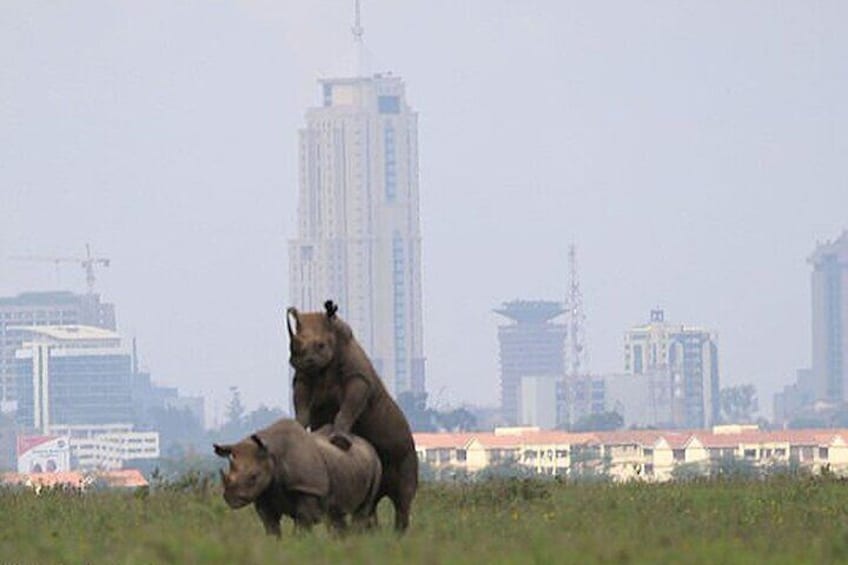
(365, 517)
(403, 490)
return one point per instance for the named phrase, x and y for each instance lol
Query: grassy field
(783, 520)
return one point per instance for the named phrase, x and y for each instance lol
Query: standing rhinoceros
(286, 470)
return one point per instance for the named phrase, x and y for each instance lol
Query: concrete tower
(830, 320)
(532, 352)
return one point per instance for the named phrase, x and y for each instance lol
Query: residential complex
(687, 358)
(650, 455)
(359, 239)
(532, 349)
(41, 309)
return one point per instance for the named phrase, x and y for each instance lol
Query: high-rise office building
(358, 237)
(43, 309)
(72, 375)
(687, 357)
(532, 346)
(830, 320)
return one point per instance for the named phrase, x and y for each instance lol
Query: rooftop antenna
(357, 28)
(576, 319)
(358, 43)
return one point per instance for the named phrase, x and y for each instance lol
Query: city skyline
(694, 159)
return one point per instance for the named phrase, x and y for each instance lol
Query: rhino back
(301, 466)
(352, 472)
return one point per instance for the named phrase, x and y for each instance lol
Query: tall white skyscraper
(830, 320)
(359, 239)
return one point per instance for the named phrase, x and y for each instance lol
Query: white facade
(829, 281)
(642, 400)
(538, 401)
(688, 356)
(113, 450)
(108, 446)
(358, 240)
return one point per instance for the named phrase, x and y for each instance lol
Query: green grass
(782, 520)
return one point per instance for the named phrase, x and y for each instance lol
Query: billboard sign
(44, 454)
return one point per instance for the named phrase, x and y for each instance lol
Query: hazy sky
(695, 152)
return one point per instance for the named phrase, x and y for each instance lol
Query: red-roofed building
(76, 480)
(634, 454)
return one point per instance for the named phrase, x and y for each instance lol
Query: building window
(388, 104)
(399, 303)
(823, 453)
(390, 153)
(637, 359)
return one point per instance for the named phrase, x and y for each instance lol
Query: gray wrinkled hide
(345, 481)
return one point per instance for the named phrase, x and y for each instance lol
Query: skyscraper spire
(361, 55)
(357, 28)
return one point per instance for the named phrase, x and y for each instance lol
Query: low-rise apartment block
(109, 446)
(651, 455)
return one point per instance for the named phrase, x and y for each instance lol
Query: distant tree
(414, 407)
(690, 471)
(176, 426)
(423, 419)
(807, 422)
(235, 409)
(589, 464)
(261, 417)
(733, 468)
(509, 469)
(839, 418)
(599, 422)
(738, 404)
(458, 420)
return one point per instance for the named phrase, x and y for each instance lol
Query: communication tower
(576, 352)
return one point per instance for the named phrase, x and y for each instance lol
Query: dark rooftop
(531, 311)
(40, 298)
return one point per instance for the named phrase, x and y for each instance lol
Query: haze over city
(694, 155)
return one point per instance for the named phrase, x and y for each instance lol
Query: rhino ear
(331, 308)
(292, 313)
(263, 448)
(222, 450)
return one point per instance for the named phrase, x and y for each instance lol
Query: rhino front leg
(300, 394)
(356, 394)
(270, 519)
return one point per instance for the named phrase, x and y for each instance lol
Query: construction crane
(87, 263)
